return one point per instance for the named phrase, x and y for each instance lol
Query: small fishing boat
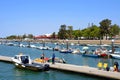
(44, 48)
(24, 61)
(76, 51)
(90, 55)
(87, 53)
(102, 52)
(57, 48)
(116, 56)
(57, 60)
(10, 44)
(66, 51)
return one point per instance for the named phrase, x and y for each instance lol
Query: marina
(59, 40)
(77, 63)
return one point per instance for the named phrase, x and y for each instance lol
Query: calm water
(9, 72)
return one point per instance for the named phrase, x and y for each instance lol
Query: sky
(38, 17)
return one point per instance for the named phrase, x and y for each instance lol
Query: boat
(57, 48)
(44, 48)
(87, 53)
(10, 44)
(66, 50)
(76, 51)
(24, 61)
(85, 48)
(90, 55)
(57, 60)
(102, 52)
(116, 56)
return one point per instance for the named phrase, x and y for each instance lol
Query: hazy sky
(18, 17)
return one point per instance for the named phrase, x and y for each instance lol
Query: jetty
(5, 59)
(78, 69)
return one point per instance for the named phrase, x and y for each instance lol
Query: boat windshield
(25, 59)
(16, 57)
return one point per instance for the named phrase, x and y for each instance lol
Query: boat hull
(90, 55)
(33, 66)
(115, 56)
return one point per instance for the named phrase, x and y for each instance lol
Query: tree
(114, 30)
(70, 32)
(105, 27)
(19, 37)
(77, 34)
(53, 35)
(30, 36)
(12, 37)
(86, 33)
(24, 36)
(94, 32)
(62, 34)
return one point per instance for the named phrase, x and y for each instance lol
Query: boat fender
(22, 65)
(16, 64)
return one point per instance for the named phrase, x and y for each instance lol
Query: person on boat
(42, 56)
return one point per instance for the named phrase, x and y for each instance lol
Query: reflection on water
(85, 61)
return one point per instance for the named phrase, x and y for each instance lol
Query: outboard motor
(46, 67)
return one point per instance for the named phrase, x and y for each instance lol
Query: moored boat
(90, 55)
(116, 56)
(76, 51)
(24, 61)
(57, 48)
(102, 52)
(66, 51)
(87, 53)
(57, 60)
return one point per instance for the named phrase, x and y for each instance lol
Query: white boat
(66, 51)
(32, 46)
(10, 44)
(57, 48)
(116, 56)
(76, 51)
(44, 48)
(85, 48)
(24, 61)
(21, 45)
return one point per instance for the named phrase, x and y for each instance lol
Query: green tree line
(106, 29)
(30, 36)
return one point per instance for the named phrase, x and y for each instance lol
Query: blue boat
(90, 55)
